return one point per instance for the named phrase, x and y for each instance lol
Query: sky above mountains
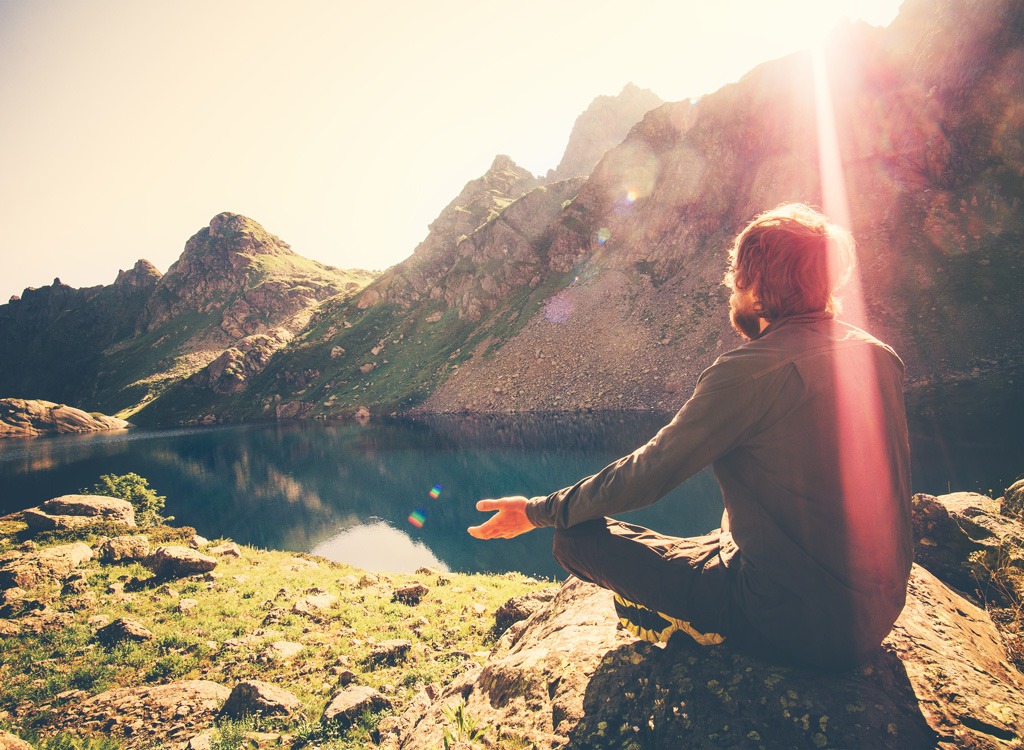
(344, 128)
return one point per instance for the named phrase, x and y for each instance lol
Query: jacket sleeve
(714, 420)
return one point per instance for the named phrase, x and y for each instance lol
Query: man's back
(817, 489)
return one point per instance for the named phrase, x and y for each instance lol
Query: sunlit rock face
(480, 204)
(928, 127)
(251, 278)
(601, 127)
(28, 418)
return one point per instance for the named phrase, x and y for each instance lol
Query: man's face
(744, 319)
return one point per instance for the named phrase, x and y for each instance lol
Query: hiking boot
(657, 627)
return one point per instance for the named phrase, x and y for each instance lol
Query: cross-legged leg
(683, 578)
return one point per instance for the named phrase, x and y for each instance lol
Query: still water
(397, 495)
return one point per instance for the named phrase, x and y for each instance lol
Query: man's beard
(747, 324)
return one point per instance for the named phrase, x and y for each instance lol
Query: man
(805, 427)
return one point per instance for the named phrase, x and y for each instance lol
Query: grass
(244, 607)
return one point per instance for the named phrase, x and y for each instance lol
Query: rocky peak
(237, 268)
(481, 201)
(143, 274)
(602, 126)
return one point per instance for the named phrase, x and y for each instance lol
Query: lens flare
(417, 518)
(435, 492)
(631, 196)
(603, 235)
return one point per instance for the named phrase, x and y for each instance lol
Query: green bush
(136, 490)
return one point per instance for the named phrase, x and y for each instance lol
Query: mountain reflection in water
(390, 495)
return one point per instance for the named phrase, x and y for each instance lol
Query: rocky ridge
(235, 296)
(601, 127)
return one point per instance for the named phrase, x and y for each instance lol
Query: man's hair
(795, 258)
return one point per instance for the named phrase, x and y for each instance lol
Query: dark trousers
(681, 577)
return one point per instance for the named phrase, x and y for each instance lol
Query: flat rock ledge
(173, 711)
(77, 512)
(569, 678)
(28, 418)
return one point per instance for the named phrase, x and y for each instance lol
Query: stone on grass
(390, 653)
(258, 697)
(178, 562)
(348, 705)
(227, 549)
(123, 629)
(124, 548)
(94, 506)
(28, 570)
(411, 594)
(282, 650)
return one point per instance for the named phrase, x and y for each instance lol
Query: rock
(95, 506)
(78, 511)
(28, 418)
(411, 594)
(390, 653)
(282, 650)
(311, 604)
(186, 605)
(1012, 502)
(201, 741)
(520, 607)
(124, 549)
(963, 538)
(9, 742)
(572, 679)
(75, 585)
(123, 629)
(178, 562)
(144, 713)
(31, 569)
(348, 705)
(257, 697)
(227, 549)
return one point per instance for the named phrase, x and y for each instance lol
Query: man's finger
(483, 531)
(486, 505)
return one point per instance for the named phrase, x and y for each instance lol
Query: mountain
(118, 347)
(602, 126)
(604, 291)
(929, 127)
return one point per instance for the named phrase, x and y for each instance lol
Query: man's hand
(509, 521)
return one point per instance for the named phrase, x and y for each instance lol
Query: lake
(397, 495)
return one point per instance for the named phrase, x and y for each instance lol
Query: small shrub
(462, 727)
(136, 490)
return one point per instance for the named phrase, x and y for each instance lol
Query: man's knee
(575, 546)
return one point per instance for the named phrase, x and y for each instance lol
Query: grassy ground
(240, 609)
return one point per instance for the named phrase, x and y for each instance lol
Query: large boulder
(146, 714)
(178, 562)
(571, 678)
(30, 569)
(121, 630)
(28, 418)
(260, 698)
(967, 541)
(125, 548)
(349, 704)
(78, 511)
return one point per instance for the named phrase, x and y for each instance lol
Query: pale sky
(342, 127)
